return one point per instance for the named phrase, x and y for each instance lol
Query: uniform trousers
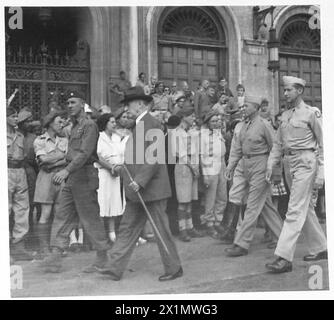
(132, 224)
(238, 191)
(259, 200)
(78, 201)
(18, 202)
(301, 215)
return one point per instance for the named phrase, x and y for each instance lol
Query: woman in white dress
(110, 150)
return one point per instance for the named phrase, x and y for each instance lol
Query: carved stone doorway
(46, 59)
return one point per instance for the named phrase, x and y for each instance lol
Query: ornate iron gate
(44, 78)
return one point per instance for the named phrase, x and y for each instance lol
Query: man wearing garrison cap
(253, 147)
(299, 140)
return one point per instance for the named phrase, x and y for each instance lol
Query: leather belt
(248, 156)
(15, 164)
(292, 152)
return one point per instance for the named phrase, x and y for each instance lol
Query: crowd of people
(238, 166)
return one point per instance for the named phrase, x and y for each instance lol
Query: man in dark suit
(151, 180)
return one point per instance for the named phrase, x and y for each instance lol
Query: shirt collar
(300, 105)
(48, 137)
(79, 120)
(141, 116)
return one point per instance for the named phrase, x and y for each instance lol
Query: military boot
(99, 263)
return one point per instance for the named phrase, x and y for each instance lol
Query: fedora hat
(136, 93)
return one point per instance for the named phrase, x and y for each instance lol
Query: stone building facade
(172, 43)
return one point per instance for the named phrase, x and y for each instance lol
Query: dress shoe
(52, 263)
(193, 233)
(168, 277)
(99, 263)
(280, 265)
(236, 251)
(109, 272)
(323, 255)
(183, 236)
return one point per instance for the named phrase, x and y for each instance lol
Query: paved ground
(206, 269)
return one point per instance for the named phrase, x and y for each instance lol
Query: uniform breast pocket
(256, 139)
(76, 139)
(299, 129)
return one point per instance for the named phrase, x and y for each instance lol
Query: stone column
(133, 38)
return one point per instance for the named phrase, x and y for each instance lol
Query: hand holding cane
(149, 216)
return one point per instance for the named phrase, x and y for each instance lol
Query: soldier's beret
(23, 115)
(74, 94)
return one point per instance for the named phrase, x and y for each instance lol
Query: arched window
(298, 36)
(192, 45)
(300, 56)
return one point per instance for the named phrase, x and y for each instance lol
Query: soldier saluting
(299, 139)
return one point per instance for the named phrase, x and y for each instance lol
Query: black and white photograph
(163, 150)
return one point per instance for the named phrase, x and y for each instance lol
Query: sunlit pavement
(206, 270)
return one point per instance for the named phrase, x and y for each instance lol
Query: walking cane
(149, 216)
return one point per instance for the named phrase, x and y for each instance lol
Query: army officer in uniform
(299, 139)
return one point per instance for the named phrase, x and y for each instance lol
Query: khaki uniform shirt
(256, 137)
(15, 146)
(43, 145)
(300, 129)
